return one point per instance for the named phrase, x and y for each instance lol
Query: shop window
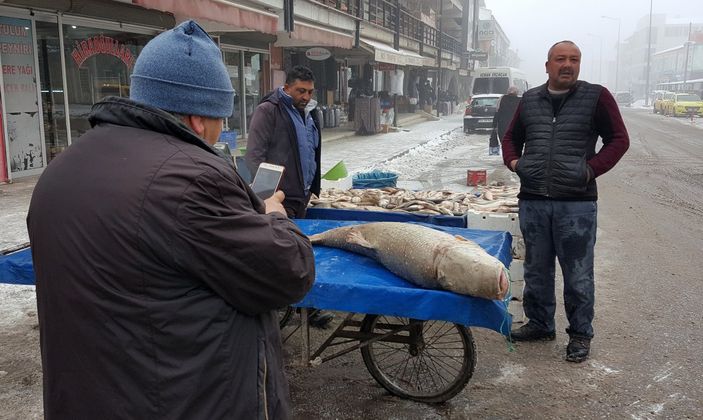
(232, 61)
(253, 79)
(98, 64)
(21, 114)
(52, 99)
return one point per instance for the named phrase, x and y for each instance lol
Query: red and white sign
(101, 44)
(318, 54)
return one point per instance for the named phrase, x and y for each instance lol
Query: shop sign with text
(101, 44)
(318, 54)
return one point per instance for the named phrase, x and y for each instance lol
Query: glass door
(22, 118)
(232, 61)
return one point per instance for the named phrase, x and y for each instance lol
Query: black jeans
(565, 230)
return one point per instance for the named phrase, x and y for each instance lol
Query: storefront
(54, 68)
(250, 72)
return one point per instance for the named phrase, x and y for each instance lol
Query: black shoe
(320, 319)
(530, 332)
(578, 349)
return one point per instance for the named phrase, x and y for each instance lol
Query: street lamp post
(617, 51)
(649, 56)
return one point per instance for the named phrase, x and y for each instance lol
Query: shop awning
(306, 35)
(402, 57)
(236, 16)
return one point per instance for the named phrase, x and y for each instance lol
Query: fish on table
(423, 256)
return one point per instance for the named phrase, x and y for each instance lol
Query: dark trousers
(565, 230)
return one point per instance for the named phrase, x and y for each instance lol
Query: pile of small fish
(484, 199)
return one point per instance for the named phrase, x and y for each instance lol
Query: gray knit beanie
(181, 71)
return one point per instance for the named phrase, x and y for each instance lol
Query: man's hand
(513, 164)
(274, 203)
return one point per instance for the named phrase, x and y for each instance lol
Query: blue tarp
(386, 216)
(350, 282)
(16, 268)
(353, 283)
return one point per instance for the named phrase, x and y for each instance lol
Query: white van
(498, 80)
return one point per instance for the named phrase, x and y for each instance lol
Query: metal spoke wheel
(426, 361)
(284, 316)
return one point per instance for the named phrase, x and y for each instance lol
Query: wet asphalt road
(645, 362)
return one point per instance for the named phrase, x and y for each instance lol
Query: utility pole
(688, 44)
(649, 56)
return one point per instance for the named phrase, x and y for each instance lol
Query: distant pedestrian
(506, 109)
(551, 145)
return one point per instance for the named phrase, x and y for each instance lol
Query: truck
(498, 80)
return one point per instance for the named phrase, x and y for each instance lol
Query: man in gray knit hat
(158, 269)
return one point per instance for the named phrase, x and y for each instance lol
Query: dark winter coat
(506, 111)
(157, 277)
(272, 139)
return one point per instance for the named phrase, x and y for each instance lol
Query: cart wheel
(430, 362)
(284, 316)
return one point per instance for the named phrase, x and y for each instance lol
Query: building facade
(668, 47)
(59, 57)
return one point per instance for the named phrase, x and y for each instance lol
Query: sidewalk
(358, 153)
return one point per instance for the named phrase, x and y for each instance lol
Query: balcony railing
(383, 13)
(450, 44)
(346, 6)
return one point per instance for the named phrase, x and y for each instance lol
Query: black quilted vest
(553, 163)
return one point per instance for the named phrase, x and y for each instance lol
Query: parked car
(661, 98)
(684, 104)
(480, 112)
(623, 98)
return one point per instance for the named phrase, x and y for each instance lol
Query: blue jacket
(273, 139)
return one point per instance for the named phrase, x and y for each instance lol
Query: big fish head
(459, 264)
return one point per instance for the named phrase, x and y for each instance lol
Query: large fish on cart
(424, 256)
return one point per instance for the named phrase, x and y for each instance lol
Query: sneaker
(530, 332)
(578, 349)
(320, 319)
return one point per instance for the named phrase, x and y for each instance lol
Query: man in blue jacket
(284, 130)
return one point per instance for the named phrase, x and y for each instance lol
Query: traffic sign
(478, 55)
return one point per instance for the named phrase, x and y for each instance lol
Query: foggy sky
(534, 25)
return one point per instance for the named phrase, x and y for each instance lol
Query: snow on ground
(14, 202)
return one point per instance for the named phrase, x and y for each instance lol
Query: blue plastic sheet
(353, 283)
(387, 216)
(350, 282)
(16, 268)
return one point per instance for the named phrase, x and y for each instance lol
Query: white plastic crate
(517, 270)
(506, 222)
(515, 309)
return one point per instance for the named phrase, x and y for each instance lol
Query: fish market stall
(394, 322)
(391, 321)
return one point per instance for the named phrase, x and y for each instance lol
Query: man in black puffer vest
(551, 145)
